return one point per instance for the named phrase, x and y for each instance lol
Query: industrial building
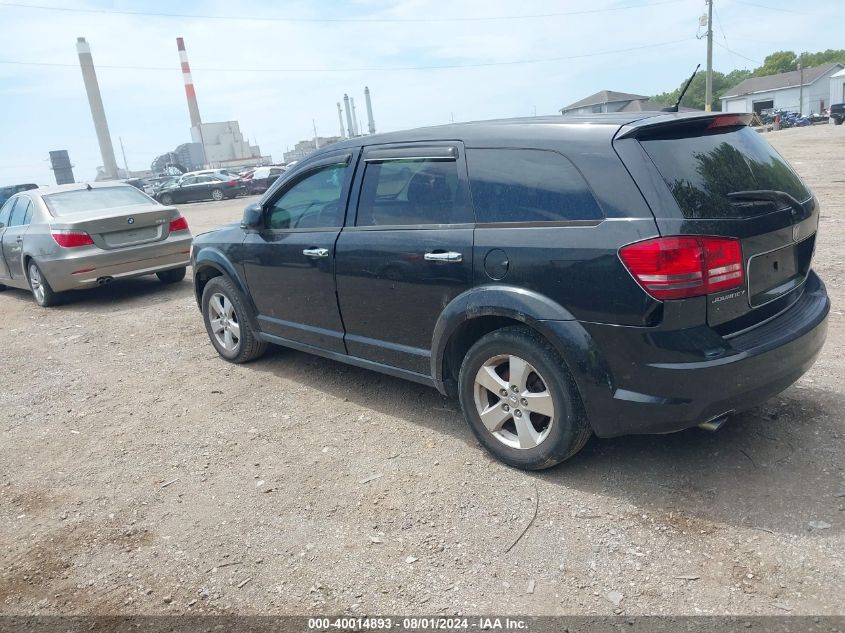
(806, 91)
(303, 148)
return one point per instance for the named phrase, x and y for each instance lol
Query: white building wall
(223, 142)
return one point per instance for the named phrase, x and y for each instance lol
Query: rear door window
(19, 212)
(412, 191)
(702, 168)
(528, 185)
(6, 212)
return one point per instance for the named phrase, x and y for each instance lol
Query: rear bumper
(64, 273)
(645, 390)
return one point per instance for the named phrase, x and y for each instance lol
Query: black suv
(612, 274)
(837, 113)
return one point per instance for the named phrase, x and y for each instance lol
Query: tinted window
(20, 211)
(527, 185)
(408, 192)
(701, 170)
(190, 180)
(6, 211)
(86, 200)
(313, 202)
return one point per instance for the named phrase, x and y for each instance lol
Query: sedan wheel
(513, 402)
(41, 290)
(166, 199)
(217, 194)
(224, 322)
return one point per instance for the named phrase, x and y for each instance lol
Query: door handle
(316, 252)
(451, 256)
(20, 239)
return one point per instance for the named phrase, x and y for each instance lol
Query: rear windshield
(701, 170)
(86, 200)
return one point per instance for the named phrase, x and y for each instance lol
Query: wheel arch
(210, 263)
(487, 308)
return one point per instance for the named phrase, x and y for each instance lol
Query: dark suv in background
(837, 113)
(613, 274)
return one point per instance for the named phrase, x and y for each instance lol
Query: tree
(776, 63)
(694, 97)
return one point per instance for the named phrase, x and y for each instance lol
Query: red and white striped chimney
(190, 92)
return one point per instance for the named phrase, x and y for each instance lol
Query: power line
(356, 69)
(765, 6)
(254, 18)
(756, 61)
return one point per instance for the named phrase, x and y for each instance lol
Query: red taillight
(72, 239)
(727, 120)
(179, 224)
(682, 267)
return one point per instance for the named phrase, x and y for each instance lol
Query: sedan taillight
(682, 267)
(179, 224)
(71, 239)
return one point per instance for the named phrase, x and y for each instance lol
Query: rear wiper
(768, 195)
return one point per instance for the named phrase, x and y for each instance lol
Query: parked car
(190, 188)
(609, 274)
(837, 113)
(79, 236)
(263, 177)
(8, 191)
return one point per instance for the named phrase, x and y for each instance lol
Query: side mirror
(253, 217)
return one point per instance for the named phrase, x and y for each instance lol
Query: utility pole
(800, 89)
(316, 138)
(708, 82)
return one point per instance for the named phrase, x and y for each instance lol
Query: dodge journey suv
(612, 274)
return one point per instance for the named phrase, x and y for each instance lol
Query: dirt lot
(142, 474)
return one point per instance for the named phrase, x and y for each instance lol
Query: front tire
(217, 194)
(166, 199)
(520, 401)
(172, 276)
(224, 315)
(42, 293)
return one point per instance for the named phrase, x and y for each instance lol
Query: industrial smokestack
(371, 125)
(354, 117)
(98, 112)
(190, 92)
(340, 120)
(349, 127)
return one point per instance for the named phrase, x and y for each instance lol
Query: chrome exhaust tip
(714, 424)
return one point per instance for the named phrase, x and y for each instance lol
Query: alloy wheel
(224, 322)
(36, 283)
(514, 401)
(217, 195)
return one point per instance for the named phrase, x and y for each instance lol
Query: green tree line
(777, 62)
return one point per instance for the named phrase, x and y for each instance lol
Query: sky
(276, 66)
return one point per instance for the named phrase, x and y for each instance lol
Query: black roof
(558, 126)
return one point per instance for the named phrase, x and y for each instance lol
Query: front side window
(313, 202)
(6, 211)
(410, 192)
(527, 185)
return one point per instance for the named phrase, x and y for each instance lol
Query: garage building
(783, 91)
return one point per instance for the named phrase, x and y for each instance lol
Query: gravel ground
(142, 474)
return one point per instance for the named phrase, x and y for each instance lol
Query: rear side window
(528, 185)
(5, 212)
(412, 191)
(702, 169)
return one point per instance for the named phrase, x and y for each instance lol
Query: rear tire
(166, 199)
(217, 194)
(838, 121)
(227, 324)
(533, 417)
(42, 293)
(172, 276)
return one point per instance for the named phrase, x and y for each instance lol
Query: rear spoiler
(687, 120)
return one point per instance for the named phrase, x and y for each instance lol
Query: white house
(837, 88)
(612, 101)
(783, 91)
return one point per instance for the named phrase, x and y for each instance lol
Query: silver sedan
(80, 236)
